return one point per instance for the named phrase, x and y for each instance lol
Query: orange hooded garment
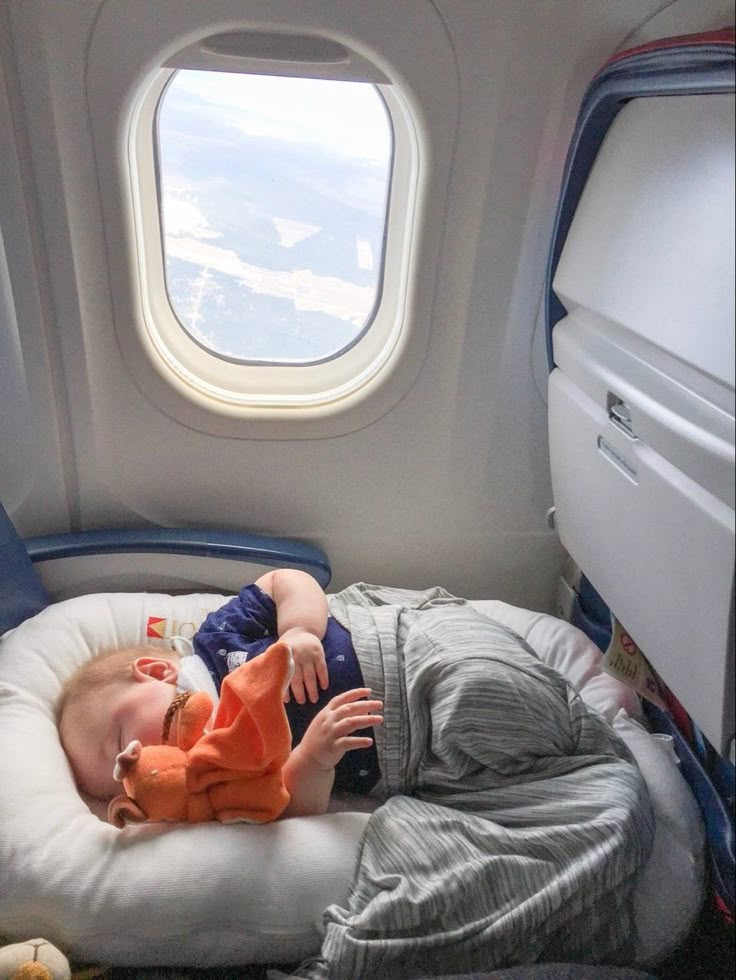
(232, 772)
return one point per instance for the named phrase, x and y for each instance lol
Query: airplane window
(273, 197)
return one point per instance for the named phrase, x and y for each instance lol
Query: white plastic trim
(269, 386)
(183, 380)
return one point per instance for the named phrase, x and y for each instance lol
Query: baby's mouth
(179, 701)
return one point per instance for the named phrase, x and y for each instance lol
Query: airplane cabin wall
(451, 485)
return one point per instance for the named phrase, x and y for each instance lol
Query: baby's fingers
(347, 697)
(310, 682)
(355, 708)
(297, 685)
(355, 722)
(322, 674)
(354, 742)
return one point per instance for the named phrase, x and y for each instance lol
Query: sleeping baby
(465, 698)
(127, 695)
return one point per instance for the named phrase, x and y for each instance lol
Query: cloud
(347, 117)
(182, 218)
(292, 232)
(309, 292)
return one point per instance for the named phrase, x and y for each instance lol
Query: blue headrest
(21, 593)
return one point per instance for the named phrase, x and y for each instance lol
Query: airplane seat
(22, 594)
(58, 852)
(640, 328)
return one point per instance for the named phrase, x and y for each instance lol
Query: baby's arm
(301, 620)
(310, 770)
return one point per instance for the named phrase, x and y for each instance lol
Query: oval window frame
(262, 386)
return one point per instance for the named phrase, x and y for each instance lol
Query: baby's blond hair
(106, 669)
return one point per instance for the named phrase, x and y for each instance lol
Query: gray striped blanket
(515, 821)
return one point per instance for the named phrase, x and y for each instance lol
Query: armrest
(201, 542)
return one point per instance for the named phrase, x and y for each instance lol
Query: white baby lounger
(210, 894)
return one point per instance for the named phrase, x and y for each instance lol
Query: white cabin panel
(641, 400)
(36, 459)
(658, 209)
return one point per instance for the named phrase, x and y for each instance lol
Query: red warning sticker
(156, 627)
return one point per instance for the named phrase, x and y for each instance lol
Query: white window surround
(271, 385)
(169, 367)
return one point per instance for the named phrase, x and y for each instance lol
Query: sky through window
(273, 209)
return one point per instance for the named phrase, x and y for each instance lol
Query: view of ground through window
(274, 196)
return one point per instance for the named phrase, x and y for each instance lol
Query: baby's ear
(155, 668)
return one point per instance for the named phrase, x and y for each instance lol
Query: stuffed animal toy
(35, 959)
(233, 772)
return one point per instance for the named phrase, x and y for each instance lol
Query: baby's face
(124, 711)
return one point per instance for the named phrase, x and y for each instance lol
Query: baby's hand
(329, 735)
(310, 667)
